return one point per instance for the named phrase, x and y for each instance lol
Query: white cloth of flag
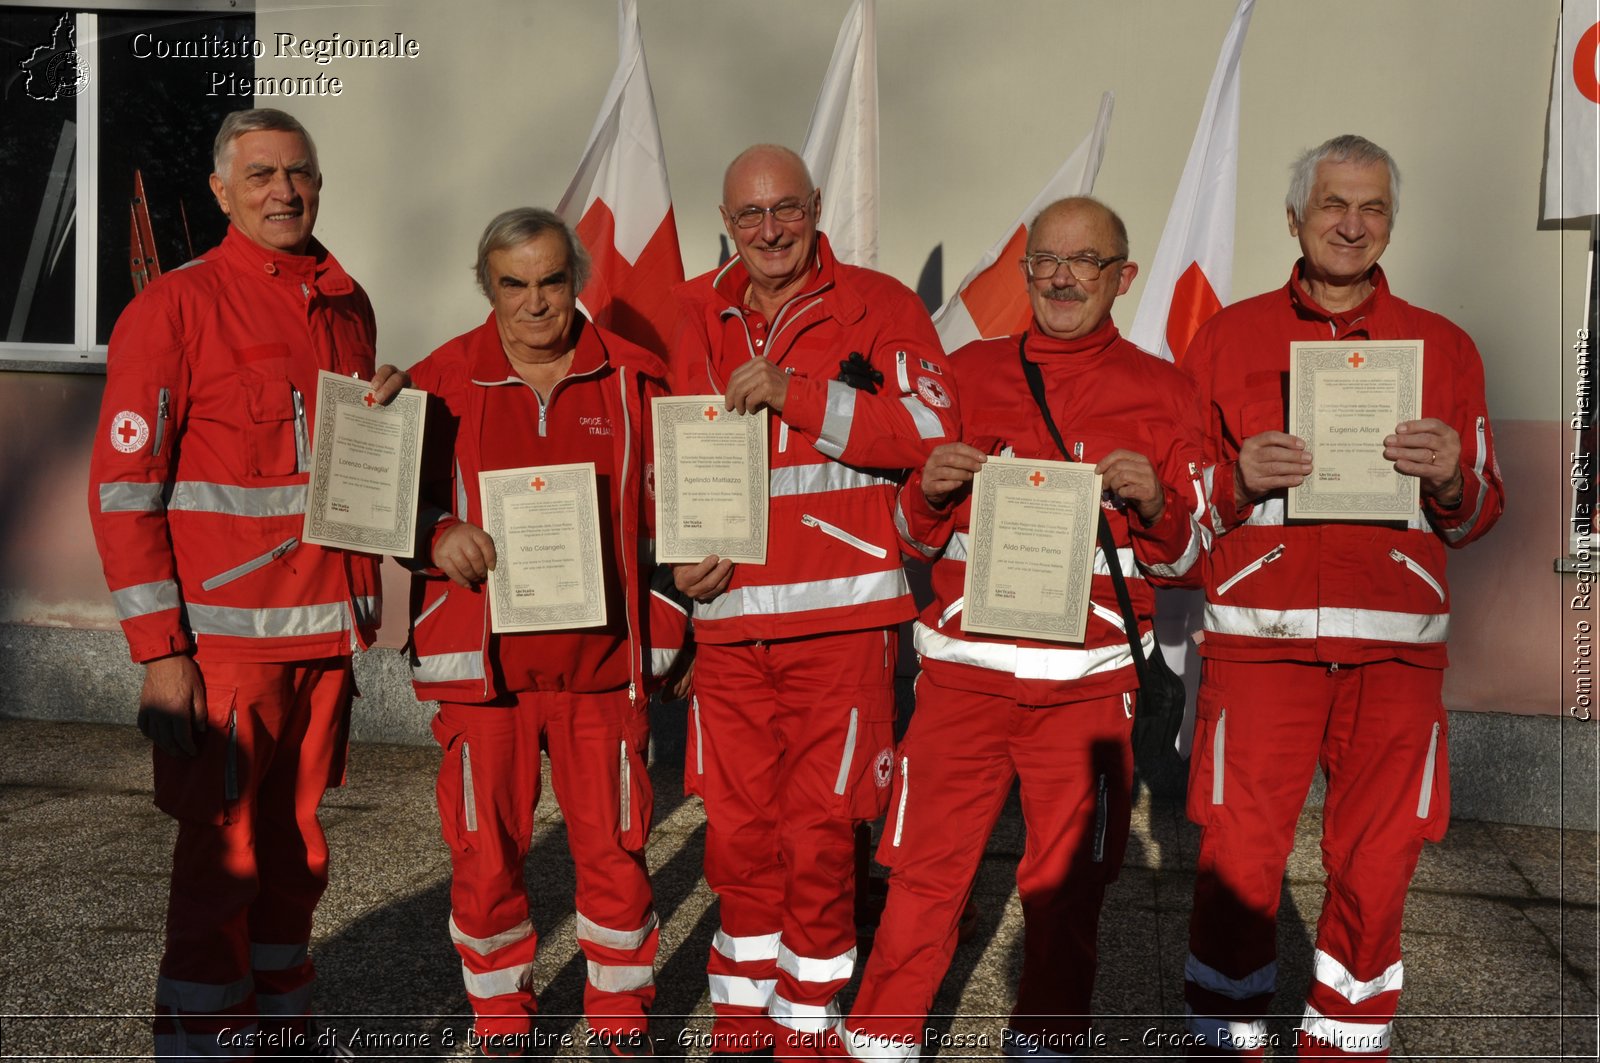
(841, 146)
(1571, 187)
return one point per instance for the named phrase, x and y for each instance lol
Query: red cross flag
(841, 147)
(1191, 275)
(1571, 184)
(621, 206)
(993, 299)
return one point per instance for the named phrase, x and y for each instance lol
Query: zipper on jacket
(469, 800)
(163, 409)
(251, 565)
(1098, 853)
(1114, 619)
(1425, 797)
(1483, 448)
(302, 439)
(1218, 744)
(843, 536)
(429, 611)
(699, 740)
(1265, 559)
(624, 804)
(849, 755)
(783, 436)
(1422, 573)
(905, 792)
(951, 610)
(629, 552)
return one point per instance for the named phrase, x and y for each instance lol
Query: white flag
(1191, 276)
(1571, 188)
(992, 300)
(841, 147)
(621, 206)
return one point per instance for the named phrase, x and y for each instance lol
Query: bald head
(772, 161)
(769, 208)
(1096, 213)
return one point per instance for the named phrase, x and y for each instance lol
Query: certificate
(1031, 553)
(1344, 400)
(364, 468)
(545, 523)
(711, 480)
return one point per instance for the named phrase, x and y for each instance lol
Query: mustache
(1066, 295)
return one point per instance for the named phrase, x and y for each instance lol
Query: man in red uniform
(539, 385)
(792, 721)
(1324, 642)
(991, 709)
(197, 494)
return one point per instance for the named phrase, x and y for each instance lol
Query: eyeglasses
(1042, 265)
(785, 213)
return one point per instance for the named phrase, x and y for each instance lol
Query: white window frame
(83, 354)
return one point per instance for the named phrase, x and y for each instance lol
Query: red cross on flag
(621, 206)
(992, 300)
(841, 147)
(1191, 276)
(1571, 181)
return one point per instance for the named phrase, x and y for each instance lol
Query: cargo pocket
(205, 788)
(1208, 782)
(1433, 789)
(458, 808)
(272, 429)
(865, 764)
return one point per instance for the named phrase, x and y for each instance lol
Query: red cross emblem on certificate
(369, 400)
(1036, 478)
(711, 413)
(1355, 360)
(537, 483)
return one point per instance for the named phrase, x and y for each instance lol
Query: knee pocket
(1207, 758)
(206, 787)
(456, 790)
(865, 765)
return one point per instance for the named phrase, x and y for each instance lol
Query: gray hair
(515, 227)
(238, 123)
(1345, 148)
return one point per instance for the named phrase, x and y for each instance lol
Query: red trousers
(250, 862)
(790, 746)
(956, 766)
(1379, 732)
(488, 788)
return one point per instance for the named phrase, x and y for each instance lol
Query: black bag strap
(1108, 543)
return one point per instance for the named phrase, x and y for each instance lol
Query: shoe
(635, 1045)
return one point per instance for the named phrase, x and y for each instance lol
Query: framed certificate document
(364, 468)
(1031, 553)
(545, 523)
(711, 480)
(1344, 400)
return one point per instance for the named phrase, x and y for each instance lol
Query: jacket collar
(1308, 307)
(317, 268)
(831, 279)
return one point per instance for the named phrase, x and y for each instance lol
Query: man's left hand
(387, 382)
(755, 384)
(1132, 478)
(1430, 450)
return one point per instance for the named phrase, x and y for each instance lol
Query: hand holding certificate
(545, 523)
(1031, 557)
(364, 468)
(1344, 401)
(711, 480)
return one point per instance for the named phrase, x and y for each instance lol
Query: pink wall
(1509, 629)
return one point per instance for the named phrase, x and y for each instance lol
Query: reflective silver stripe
(1026, 662)
(295, 1002)
(751, 949)
(277, 957)
(627, 940)
(1268, 513)
(844, 773)
(905, 793)
(239, 571)
(952, 609)
(461, 493)
(609, 979)
(1125, 561)
(1218, 748)
(1365, 1038)
(1185, 561)
(624, 775)
(1383, 625)
(204, 1044)
(801, 597)
(197, 496)
(1230, 1036)
(928, 424)
(494, 942)
(1462, 530)
(901, 526)
(1337, 977)
(142, 599)
(469, 796)
(815, 969)
(286, 622)
(1425, 796)
(808, 1018)
(201, 998)
(870, 1046)
(661, 661)
(367, 609)
(901, 377)
(1259, 982)
(448, 667)
(1208, 479)
(126, 497)
(1261, 623)
(699, 748)
(740, 991)
(826, 476)
(838, 415)
(498, 983)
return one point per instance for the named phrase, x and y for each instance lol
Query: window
(89, 98)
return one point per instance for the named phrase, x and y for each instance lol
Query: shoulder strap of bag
(1108, 544)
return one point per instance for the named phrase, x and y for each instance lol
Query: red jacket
(201, 457)
(837, 452)
(1105, 394)
(450, 638)
(1336, 592)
